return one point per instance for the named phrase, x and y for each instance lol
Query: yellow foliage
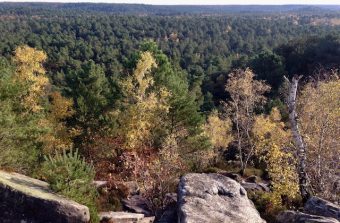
(61, 107)
(218, 130)
(244, 89)
(319, 115)
(144, 108)
(60, 137)
(135, 86)
(31, 72)
(41, 122)
(246, 94)
(271, 141)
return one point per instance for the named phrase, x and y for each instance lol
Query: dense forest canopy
(205, 47)
(139, 90)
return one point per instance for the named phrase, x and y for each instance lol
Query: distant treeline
(25, 8)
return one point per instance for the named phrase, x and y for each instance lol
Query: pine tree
(92, 96)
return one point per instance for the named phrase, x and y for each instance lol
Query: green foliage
(267, 209)
(264, 206)
(69, 175)
(199, 46)
(184, 109)
(20, 145)
(92, 94)
(304, 56)
(208, 102)
(30, 124)
(270, 67)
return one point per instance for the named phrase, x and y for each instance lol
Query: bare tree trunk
(301, 152)
(239, 146)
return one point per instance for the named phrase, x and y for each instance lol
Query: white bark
(298, 140)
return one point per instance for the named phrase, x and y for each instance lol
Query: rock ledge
(24, 199)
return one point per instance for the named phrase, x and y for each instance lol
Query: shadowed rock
(24, 199)
(318, 206)
(299, 217)
(137, 204)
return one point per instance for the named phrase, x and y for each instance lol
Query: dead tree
(298, 140)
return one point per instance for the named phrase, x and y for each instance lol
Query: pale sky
(198, 2)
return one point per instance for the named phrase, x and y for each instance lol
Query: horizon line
(130, 3)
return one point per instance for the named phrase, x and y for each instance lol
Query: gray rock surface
(255, 186)
(214, 198)
(299, 217)
(321, 207)
(124, 217)
(137, 204)
(24, 199)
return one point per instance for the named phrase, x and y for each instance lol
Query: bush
(72, 177)
(268, 208)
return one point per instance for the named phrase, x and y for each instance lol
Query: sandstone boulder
(24, 199)
(214, 198)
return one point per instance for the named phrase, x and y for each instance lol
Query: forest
(148, 93)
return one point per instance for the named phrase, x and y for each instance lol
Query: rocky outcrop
(23, 199)
(318, 206)
(214, 198)
(316, 210)
(251, 184)
(299, 217)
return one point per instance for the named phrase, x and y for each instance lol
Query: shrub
(72, 177)
(268, 210)
(265, 203)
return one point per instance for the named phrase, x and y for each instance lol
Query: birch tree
(319, 111)
(144, 107)
(298, 140)
(245, 95)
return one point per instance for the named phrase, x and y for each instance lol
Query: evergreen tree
(184, 109)
(92, 95)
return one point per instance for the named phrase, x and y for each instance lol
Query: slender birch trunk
(301, 148)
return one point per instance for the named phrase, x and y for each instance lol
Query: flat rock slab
(124, 217)
(24, 199)
(214, 198)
